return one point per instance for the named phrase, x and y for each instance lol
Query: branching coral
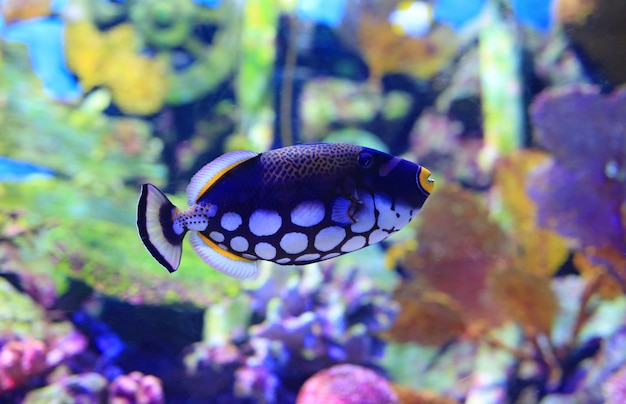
(305, 322)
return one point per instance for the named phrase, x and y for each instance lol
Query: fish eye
(365, 160)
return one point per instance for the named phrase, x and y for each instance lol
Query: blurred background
(507, 288)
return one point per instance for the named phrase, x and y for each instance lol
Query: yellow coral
(111, 59)
(137, 83)
(85, 52)
(540, 251)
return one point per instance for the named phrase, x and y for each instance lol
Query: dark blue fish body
(293, 205)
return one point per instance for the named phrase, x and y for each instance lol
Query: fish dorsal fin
(211, 172)
(221, 260)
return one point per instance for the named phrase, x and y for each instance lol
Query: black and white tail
(156, 227)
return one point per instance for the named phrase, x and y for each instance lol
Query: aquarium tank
(508, 286)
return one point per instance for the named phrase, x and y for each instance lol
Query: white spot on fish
(294, 243)
(211, 211)
(216, 236)
(231, 221)
(308, 213)
(377, 235)
(239, 244)
(249, 256)
(329, 238)
(308, 257)
(265, 251)
(364, 216)
(178, 226)
(353, 244)
(265, 222)
(283, 261)
(223, 246)
(329, 256)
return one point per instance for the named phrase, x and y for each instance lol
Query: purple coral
(581, 191)
(136, 388)
(19, 361)
(615, 388)
(347, 384)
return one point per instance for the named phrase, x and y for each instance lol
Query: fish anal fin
(213, 171)
(221, 260)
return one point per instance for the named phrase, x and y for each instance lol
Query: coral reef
(305, 323)
(508, 287)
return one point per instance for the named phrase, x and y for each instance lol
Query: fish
(294, 205)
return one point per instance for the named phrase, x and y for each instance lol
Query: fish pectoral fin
(343, 210)
(221, 260)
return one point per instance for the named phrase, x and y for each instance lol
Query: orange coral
(458, 245)
(525, 298)
(427, 317)
(386, 50)
(607, 287)
(409, 396)
(610, 262)
(16, 10)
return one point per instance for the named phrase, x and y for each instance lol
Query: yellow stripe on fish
(293, 205)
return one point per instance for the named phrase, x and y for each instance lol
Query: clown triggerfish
(293, 205)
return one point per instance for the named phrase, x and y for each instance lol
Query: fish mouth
(424, 181)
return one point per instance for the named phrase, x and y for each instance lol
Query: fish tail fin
(155, 224)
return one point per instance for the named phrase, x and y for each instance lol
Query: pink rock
(347, 384)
